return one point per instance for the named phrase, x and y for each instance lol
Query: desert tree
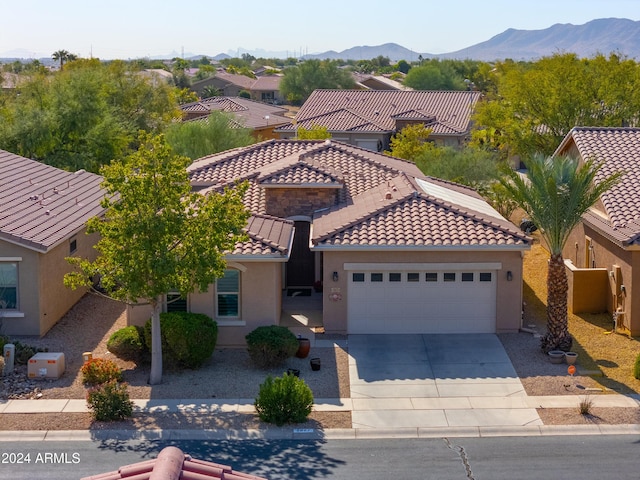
(157, 235)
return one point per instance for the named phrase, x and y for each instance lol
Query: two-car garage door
(386, 298)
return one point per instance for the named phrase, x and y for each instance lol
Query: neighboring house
(368, 118)
(395, 252)
(263, 89)
(173, 464)
(603, 252)
(261, 118)
(157, 76)
(43, 213)
(378, 82)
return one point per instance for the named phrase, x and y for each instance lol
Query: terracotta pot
(304, 346)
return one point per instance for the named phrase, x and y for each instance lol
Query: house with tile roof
(603, 253)
(173, 464)
(394, 251)
(263, 88)
(369, 118)
(43, 215)
(262, 118)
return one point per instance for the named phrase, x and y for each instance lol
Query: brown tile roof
(268, 236)
(40, 205)
(406, 212)
(173, 464)
(619, 149)
(249, 113)
(421, 212)
(377, 110)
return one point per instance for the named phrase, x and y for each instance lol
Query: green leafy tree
(434, 75)
(211, 91)
(411, 142)
(199, 138)
(157, 235)
(316, 132)
(556, 193)
(469, 166)
(403, 66)
(84, 116)
(299, 82)
(536, 104)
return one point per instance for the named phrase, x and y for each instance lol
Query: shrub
(270, 346)
(110, 401)
(636, 367)
(100, 370)
(188, 339)
(127, 343)
(585, 406)
(1, 365)
(286, 399)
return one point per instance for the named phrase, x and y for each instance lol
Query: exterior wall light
(335, 276)
(509, 276)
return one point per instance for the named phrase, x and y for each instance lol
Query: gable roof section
(383, 202)
(40, 205)
(269, 238)
(619, 149)
(248, 113)
(173, 464)
(415, 213)
(379, 109)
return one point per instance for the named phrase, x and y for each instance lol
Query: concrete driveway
(462, 380)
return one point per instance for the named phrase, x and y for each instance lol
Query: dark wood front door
(300, 267)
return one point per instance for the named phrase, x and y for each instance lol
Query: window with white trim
(228, 295)
(9, 285)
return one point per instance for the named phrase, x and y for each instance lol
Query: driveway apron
(448, 380)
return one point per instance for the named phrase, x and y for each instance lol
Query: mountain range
(605, 35)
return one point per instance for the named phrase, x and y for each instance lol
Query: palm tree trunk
(557, 336)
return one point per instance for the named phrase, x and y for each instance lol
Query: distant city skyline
(145, 28)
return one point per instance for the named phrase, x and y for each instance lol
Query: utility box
(46, 365)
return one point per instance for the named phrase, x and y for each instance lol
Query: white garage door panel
(422, 307)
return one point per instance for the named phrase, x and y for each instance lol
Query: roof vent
(388, 196)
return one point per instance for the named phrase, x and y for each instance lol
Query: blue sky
(142, 28)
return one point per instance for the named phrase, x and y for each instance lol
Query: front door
(300, 267)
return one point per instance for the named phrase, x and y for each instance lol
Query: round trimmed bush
(269, 346)
(127, 343)
(100, 370)
(188, 339)
(110, 401)
(286, 399)
(636, 367)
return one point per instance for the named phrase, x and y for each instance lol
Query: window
(449, 277)
(9, 285)
(376, 277)
(413, 277)
(176, 303)
(358, 277)
(431, 277)
(73, 246)
(395, 277)
(467, 277)
(228, 295)
(485, 276)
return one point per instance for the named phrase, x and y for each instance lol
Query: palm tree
(60, 56)
(555, 194)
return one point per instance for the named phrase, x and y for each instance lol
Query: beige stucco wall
(43, 298)
(612, 258)
(509, 293)
(260, 297)
(28, 323)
